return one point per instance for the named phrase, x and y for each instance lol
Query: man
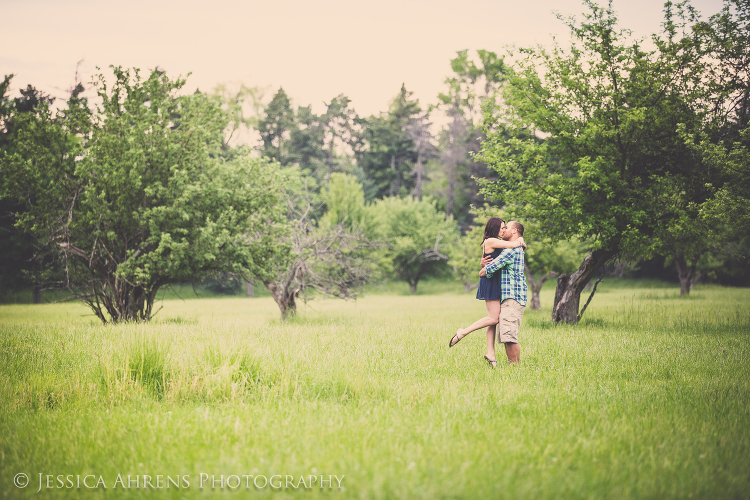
(512, 290)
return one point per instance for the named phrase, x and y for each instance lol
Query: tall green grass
(648, 397)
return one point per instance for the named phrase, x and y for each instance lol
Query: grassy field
(648, 398)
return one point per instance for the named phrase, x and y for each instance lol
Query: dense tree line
(611, 153)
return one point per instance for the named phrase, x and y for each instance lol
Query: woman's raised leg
(492, 319)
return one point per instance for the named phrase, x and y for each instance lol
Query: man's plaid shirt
(512, 277)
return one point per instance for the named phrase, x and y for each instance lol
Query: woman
(489, 288)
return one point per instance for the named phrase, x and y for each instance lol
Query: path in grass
(649, 397)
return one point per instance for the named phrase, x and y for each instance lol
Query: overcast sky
(315, 49)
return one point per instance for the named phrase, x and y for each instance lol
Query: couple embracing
(502, 285)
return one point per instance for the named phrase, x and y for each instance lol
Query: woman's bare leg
(492, 319)
(491, 342)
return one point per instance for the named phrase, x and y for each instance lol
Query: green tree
(465, 256)
(27, 262)
(548, 258)
(612, 159)
(417, 237)
(418, 130)
(319, 144)
(727, 213)
(340, 134)
(471, 85)
(306, 148)
(724, 142)
(146, 199)
(716, 91)
(334, 258)
(686, 243)
(344, 202)
(719, 225)
(244, 108)
(276, 128)
(386, 150)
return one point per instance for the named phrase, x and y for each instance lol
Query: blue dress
(489, 288)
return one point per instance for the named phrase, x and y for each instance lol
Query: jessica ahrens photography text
(182, 481)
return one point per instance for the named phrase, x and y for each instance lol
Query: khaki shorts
(511, 313)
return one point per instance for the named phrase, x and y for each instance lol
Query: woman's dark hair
(492, 228)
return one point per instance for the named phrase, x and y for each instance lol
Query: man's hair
(518, 226)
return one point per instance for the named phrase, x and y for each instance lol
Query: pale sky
(315, 49)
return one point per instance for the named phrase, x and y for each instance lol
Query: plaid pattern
(512, 277)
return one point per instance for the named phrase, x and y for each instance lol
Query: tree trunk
(569, 286)
(289, 308)
(686, 273)
(620, 268)
(536, 285)
(36, 293)
(468, 286)
(397, 190)
(393, 168)
(111, 295)
(456, 153)
(249, 289)
(122, 301)
(419, 175)
(535, 303)
(451, 183)
(285, 299)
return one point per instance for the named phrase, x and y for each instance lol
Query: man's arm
(505, 259)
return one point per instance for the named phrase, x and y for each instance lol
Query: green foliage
(727, 212)
(275, 128)
(471, 85)
(318, 144)
(150, 200)
(235, 102)
(548, 255)
(711, 229)
(387, 152)
(609, 111)
(417, 237)
(607, 162)
(465, 255)
(711, 237)
(345, 204)
(335, 257)
(613, 167)
(24, 263)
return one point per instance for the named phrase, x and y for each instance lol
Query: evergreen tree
(276, 128)
(387, 152)
(470, 87)
(25, 263)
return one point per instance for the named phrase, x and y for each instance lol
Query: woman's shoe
(456, 338)
(492, 362)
